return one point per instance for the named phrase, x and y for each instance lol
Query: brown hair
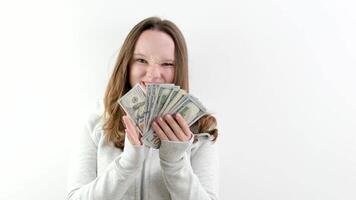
(119, 82)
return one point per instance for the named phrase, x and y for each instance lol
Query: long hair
(119, 84)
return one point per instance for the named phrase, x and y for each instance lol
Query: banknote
(159, 100)
(133, 103)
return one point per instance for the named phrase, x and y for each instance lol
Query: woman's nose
(153, 71)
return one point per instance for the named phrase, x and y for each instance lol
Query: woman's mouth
(143, 85)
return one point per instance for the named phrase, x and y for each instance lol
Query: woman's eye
(168, 64)
(140, 60)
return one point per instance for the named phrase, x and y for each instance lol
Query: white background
(279, 75)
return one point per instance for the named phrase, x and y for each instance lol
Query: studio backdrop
(279, 76)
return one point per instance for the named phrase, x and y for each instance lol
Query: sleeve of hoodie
(83, 182)
(194, 177)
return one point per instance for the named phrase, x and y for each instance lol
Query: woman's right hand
(131, 131)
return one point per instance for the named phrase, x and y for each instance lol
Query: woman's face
(153, 60)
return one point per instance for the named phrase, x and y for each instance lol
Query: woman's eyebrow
(168, 60)
(163, 60)
(139, 54)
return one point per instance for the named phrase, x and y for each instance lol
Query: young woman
(112, 162)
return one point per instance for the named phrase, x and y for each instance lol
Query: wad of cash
(159, 99)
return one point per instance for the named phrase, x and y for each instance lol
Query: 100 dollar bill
(159, 100)
(134, 103)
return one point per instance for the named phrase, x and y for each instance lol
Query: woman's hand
(133, 134)
(172, 128)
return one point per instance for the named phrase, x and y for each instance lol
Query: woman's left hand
(172, 128)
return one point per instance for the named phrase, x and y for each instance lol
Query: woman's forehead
(155, 44)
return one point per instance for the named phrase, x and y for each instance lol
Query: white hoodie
(177, 170)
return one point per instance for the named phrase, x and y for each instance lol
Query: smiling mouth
(143, 85)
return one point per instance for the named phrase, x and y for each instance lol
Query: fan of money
(159, 99)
